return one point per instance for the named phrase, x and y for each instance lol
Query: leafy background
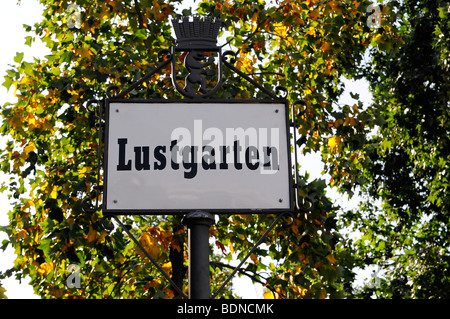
(380, 150)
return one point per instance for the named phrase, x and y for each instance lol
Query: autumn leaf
(268, 295)
(21, 234)
(335, 5)
(313, 15)
(30, 147)
(150, 244)
(334, 142)
(331, 259)
(92, 235)
(325, 47)
(350, 121)
(45, 268)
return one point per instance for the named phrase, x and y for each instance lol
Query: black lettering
(142, 163)
(190, 164)
(160, 157)
(251, 153)
(122, 166)
(174, 150)
(268, 164)
(208, 160)
(237, 150)
(224, 150)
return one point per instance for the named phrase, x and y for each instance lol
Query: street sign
(177, 156)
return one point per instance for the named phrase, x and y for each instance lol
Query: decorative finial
(198, 33)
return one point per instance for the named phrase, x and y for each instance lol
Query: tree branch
(137, 8)
(241, 271)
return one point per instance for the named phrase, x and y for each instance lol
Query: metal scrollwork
(282, 92)
(164, 55)
(112, 91)
(227, 55)
(288, 220)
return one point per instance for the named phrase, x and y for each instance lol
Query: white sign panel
(177, 156)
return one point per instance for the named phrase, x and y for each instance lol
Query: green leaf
(354, 95)
(8, 82)
(29, 40)
(19, 57)
(141, 34)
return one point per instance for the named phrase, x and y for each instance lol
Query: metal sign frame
(282, 203)
(195, 38)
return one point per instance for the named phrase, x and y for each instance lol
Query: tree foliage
(51, 153)
(407, 235)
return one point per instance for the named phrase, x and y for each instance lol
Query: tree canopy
(408, 234)
(382, 150)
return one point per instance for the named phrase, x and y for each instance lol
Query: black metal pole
(198, 224)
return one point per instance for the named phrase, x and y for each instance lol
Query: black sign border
(184, 211)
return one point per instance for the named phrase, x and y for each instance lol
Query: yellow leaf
(167, 267)
(280, 29)
(26, 80)
(103, 236)
(84, 52)
(151, 245)
(45, 268)
(246, 63)
(298, 269)
(268, 295)
(311, 31)
(54, 192)
(334, 5)
(84, 170)
(333, 142)
(30, 147)
(2, 293)
(28, 204)
(230, 244)
(168, 293)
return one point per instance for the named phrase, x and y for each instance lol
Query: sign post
(198, 156)
(198, 224)
(221, 157)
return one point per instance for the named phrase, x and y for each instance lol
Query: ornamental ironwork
(204, 63)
